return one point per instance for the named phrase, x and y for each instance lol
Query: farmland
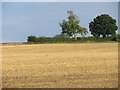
(73, 65)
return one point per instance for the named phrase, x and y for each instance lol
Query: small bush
(32, 39)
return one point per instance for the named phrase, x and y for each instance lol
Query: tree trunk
(104, 36)
(75, 36)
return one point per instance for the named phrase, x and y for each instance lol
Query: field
(80, 65)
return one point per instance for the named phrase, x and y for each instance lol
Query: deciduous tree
(71, 26)
(103, 25)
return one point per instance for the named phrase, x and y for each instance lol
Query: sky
(60, 0)
(21, 19)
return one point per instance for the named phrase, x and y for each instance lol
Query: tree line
(103, 28)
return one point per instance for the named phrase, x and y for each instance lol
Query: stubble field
(60, 65)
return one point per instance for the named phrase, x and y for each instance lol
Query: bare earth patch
(60, 65)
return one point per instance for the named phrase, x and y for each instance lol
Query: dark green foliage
(33, 39)
(103, 25)
(118, 37)
(114, 38)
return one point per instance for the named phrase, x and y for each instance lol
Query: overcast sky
(42, 19)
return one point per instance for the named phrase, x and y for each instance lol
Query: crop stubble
(60, 65)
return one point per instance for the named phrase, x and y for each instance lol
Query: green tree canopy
(103, 25)
(71, 26)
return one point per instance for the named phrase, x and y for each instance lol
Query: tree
(71, 27)
(103, 25)
(32, 39)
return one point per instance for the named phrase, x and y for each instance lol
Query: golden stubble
(77, 65)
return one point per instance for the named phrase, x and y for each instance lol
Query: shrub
(34, 39)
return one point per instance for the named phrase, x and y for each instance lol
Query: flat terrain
(60, 65)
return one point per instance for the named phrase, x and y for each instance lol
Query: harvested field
(80, 65)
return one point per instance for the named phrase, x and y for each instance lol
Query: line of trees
(103, 26)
